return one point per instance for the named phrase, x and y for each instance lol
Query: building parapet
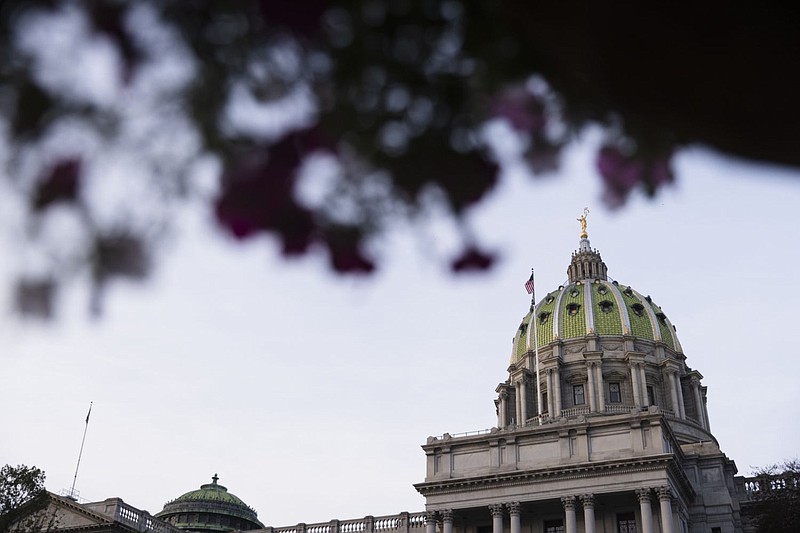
(401, 523)
(747, 488)
(133, 517)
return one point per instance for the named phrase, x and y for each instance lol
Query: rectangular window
(614, 393)
(651, 395)
(626, 523)
(577, 395)
(553, 526)
(545, 407)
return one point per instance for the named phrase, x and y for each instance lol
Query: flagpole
(80, 453)
(536, 351)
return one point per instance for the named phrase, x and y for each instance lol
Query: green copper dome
(590, 304)
(211, 508)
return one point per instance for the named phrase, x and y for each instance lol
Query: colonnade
(570, 505)
(596, 393)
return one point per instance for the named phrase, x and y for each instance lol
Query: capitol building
(601, 427)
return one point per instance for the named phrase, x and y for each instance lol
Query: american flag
(529, 284)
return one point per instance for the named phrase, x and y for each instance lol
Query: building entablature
(604, 477)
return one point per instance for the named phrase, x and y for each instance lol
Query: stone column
(570, 520)
(635, 385)
(513, 511)
(643, 384)
(703, 391)
(523, 400)
(673, 393)
(447, 520)
(646, 509)
(517, 404)
(497, 517)
(698, 402)
(681, 401)
(590, 383)
(601, 389)
(551, 396)
(557, 386)
(588, 512)
(665, 502)
(430, 522)
(501, 416)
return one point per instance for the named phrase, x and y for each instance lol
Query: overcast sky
(310, 394)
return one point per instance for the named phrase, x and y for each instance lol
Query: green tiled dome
(211, 508)
(590, 304)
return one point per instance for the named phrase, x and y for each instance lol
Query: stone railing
(618, 408)
(140, 520)
(747, 488)
(569, 412)
(400, 523)
(572, 412)
(448, 436)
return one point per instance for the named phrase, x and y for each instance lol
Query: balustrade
(402, 522)
(141, 521)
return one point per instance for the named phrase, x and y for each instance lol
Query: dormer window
(573, 308)
(602, 289)
(662, 318)
(638, 309)
(543, 316)
(606, 306)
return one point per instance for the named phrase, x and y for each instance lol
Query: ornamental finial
(582, 220)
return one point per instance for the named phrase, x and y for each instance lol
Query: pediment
(72, 515)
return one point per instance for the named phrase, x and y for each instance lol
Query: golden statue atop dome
(582, 220)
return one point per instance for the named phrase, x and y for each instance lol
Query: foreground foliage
(776, 503)
(327, 122)
(22, 500)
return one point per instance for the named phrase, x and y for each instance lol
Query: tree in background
(22, 500)
(325, 123)
(776, 503)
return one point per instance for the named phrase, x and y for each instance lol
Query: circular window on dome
(602, 289)
(574, 293)
(628, 292)
(573, 308)
(638, 309)
(543, 316)
(606, 306)
(549, 299)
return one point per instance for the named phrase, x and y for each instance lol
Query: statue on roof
(582, 220)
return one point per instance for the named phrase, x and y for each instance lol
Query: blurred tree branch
(394, 96)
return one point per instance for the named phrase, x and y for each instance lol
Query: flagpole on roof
(530, 286)
(536, 349)
(80, 453)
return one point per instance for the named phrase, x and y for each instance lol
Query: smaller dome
(211, 508)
